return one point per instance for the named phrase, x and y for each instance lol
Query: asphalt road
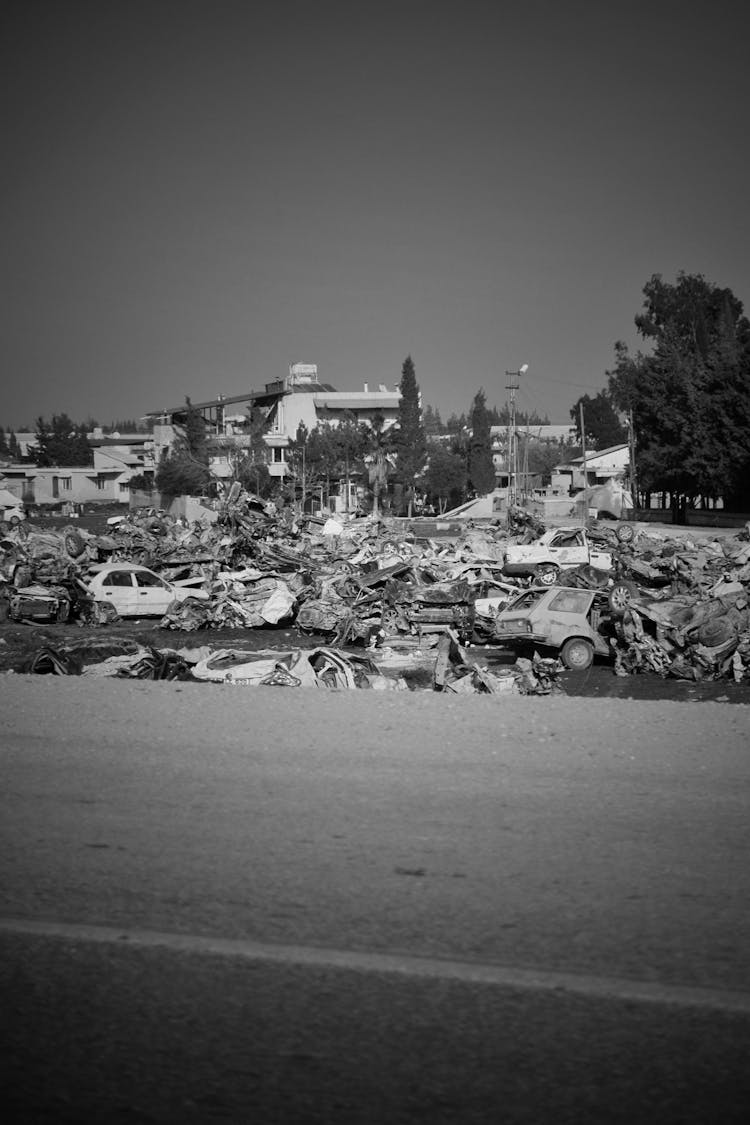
(261, 905)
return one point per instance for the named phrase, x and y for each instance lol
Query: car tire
(577, 654)
(390, 621)
(74, 543)
(625, 532)
(547, 574)
(620, 596)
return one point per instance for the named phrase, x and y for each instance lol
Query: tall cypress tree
(481, 467)
(411, 446)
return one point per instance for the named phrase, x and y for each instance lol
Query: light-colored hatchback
(557, 617)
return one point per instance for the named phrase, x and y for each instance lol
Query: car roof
(104, 567)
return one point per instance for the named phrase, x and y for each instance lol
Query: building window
(101, 483)
(66, 483)
(124, 487)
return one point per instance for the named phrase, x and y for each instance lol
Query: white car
(136, 591)
(13, 515)
(561, 548)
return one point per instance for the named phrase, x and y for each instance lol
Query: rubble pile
(366, 582)
(332, 669)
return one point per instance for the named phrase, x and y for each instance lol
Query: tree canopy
(185, 470)
(690, 398)
(409, 437)
(444, 479)
(601, 421)
(481, 467)
(62, 442)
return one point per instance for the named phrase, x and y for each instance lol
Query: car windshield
(567, 539)
(526, 600)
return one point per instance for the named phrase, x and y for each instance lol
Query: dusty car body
(562, 618)
(136, 591)
(39, 603)
(561, 548)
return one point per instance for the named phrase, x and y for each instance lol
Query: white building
(285, 404)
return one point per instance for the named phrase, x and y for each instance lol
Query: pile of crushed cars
(670, 605)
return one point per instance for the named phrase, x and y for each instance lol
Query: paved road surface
(276, 906)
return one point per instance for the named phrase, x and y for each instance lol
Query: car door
(565, 615)
(153, 594)
(118, 587)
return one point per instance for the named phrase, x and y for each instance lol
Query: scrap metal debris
(369, 582)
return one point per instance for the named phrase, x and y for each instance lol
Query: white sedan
(135, 591)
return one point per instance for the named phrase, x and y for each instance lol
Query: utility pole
(585, 471)
(631, 451)
(512, 386)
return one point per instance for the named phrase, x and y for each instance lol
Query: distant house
(599, 467)
(107, 481)
(543, 435)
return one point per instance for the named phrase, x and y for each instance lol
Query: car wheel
(625, 532)
(390, 621)
(620, 596)
(74, 543)
(547, 574)
(577, 654)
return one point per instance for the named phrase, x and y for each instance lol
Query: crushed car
(559, 549)
(564, 619)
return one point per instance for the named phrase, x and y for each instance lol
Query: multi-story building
(285, 404)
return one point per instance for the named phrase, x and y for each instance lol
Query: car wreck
(568, 621)
(556, 550)
(372, 583)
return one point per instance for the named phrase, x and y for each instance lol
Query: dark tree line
(689, 398)
(62, 442)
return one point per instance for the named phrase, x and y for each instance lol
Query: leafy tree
(543, 456)
(178, 475)
(601, 421)
(432, 422)
(501, 417)
(456, 423)
(481, 467)
(255, 477)
(4, 449)
(141, 482)
(13, 447)
(62, 442)
(690, 398)
(378, 451)
(351, 443)
(444, 479)
(409, 438)
(185, 470)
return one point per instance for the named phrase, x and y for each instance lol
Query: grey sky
(196, 195)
